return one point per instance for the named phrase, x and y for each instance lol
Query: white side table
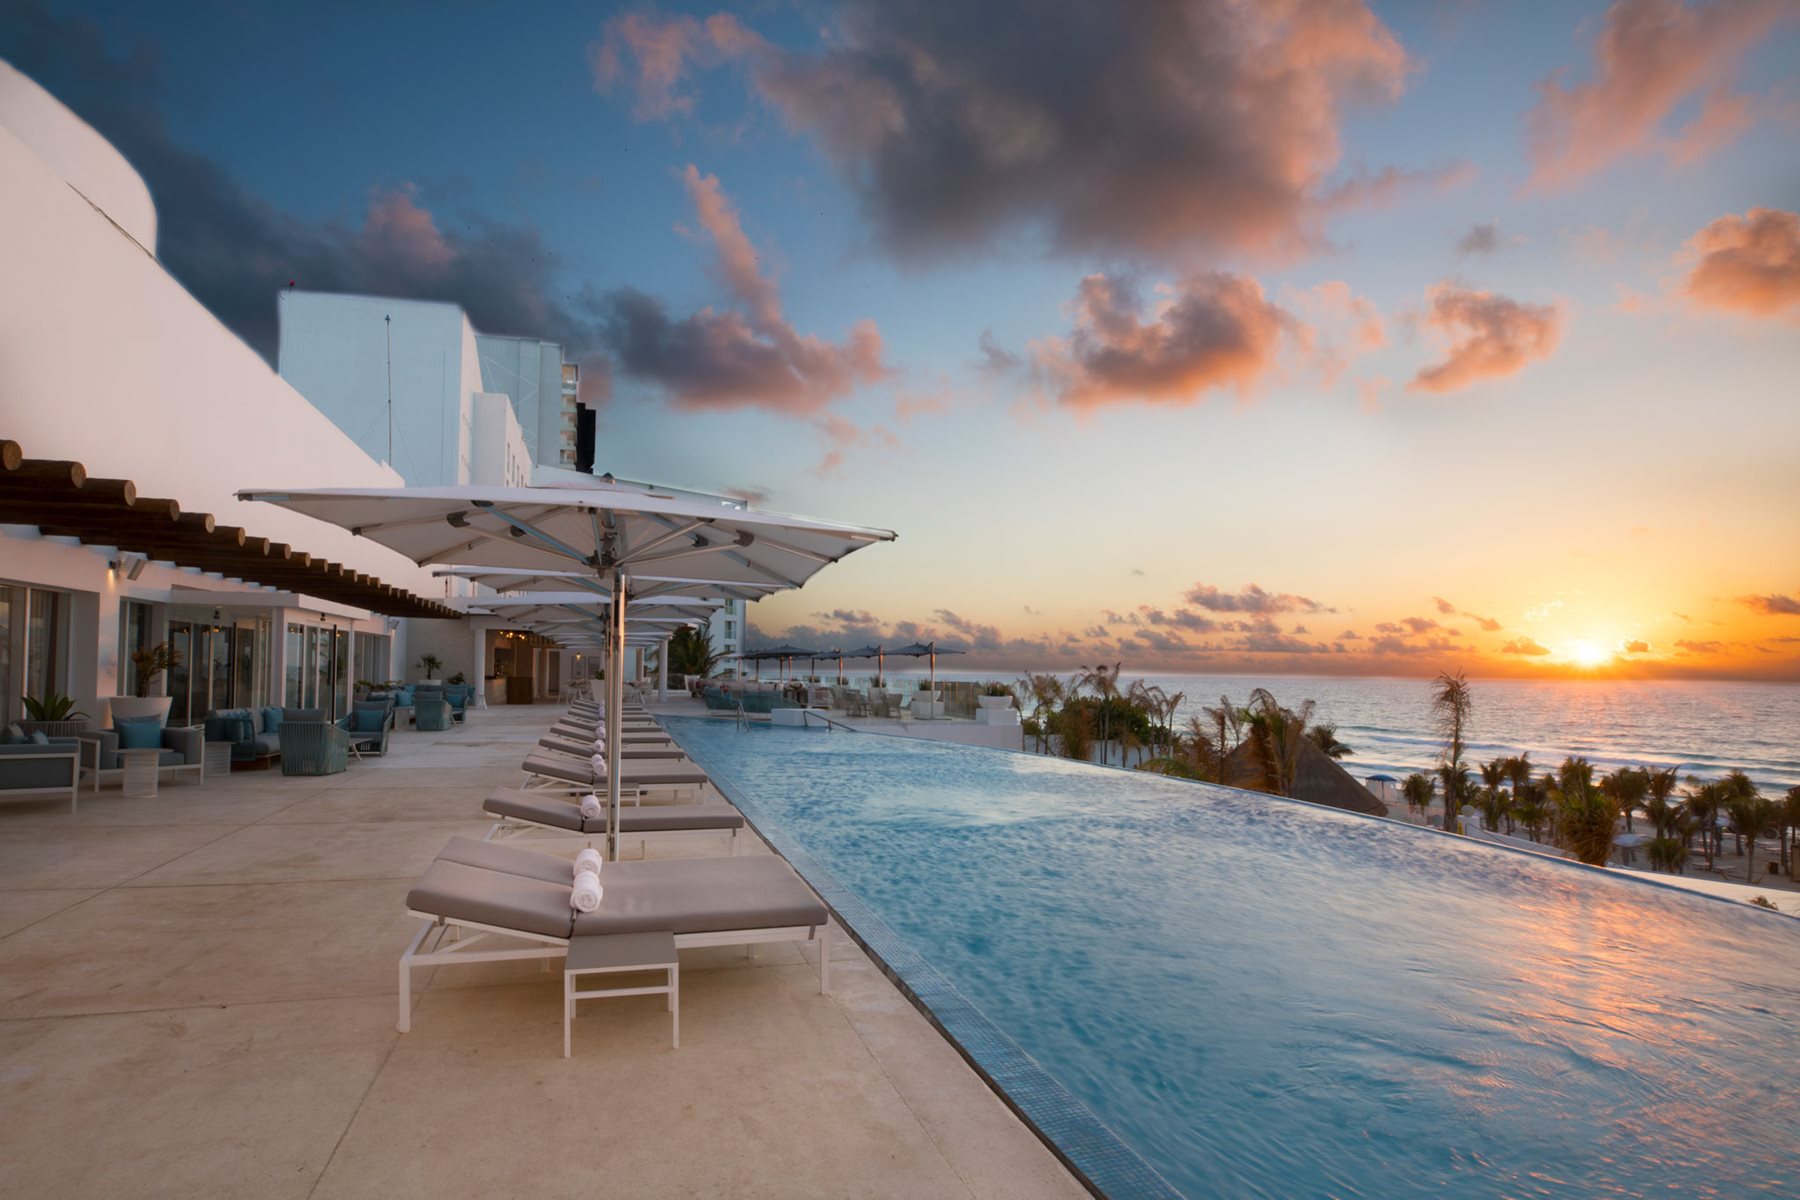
(218, 759)
(617, 953)
(139, 782)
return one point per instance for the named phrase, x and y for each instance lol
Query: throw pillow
(145, 734)
(369, 718)
(272, 719)
(39, 738)
(14, 736)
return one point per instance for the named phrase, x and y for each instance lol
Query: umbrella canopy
(603, 528)
(874, 652)
(643, 586)
(616, 534)
(925, 650)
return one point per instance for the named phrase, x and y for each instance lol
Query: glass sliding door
(9, 628)
(294, 667)
(134, 637)
(187, 647)
(43, 642)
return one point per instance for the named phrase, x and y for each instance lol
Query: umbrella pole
(615, 712)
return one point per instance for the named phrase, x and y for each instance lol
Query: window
(43, 642)
(292, 665)
(7, 700)
(135, 624)
(372, 657)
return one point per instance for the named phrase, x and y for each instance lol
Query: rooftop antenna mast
(389, 322)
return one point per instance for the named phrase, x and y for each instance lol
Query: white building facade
(169, 398)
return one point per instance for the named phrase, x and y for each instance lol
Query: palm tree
(1750, 814)
(1531, 805)
(1736, 783)
(1493, 800)
(1627, 788)
(1105, 682)
(1790, 821)
(1667, 854)
(1518, 770)
(1586, 816)
(1702, 806)
(1324, 736)
(1417, 790)
(1452, 704)
(691, 652)
(1046, 692)
(1276, 737)
(1228, 721)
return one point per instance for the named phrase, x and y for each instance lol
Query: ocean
(1707, 728)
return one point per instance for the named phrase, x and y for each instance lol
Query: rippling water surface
(1267, 999)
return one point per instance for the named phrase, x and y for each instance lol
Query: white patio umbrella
(645, 586)
(614, 534)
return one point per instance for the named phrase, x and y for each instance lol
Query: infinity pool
(1263, 998)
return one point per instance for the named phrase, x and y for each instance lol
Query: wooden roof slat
(61, 500)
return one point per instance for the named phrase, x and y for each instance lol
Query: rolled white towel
(585, 895)
(599, 761)
(589, 859)
(592, 807)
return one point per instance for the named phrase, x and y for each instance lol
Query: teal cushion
(368, 718)
(39, 738)
(14, 736)
(141, 734)
(404, 697)
(272, 720)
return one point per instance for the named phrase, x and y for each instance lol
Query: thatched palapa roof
(1318, 779)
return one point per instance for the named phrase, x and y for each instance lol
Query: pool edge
(1113, 1170)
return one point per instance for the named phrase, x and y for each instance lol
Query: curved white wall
(85, 160)
(106, 359)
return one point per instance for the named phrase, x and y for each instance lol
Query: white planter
(128, 707)
(995, 701)
(924, 709)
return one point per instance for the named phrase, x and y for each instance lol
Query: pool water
(1264, 998)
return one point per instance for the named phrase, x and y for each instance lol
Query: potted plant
(995, 695)
(457, 679)
(926, 704)
(148, 665)
(431, 664)
(53, 715)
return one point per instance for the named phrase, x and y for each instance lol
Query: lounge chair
(431, 713)
(516, 810)
(313, 747)
(585, 749)
(561, 773)
(487, 892)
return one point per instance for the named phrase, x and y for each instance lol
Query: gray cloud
(1253, 599)
(235, 251)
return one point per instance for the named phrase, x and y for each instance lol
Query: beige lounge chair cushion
(544, 809)
(636, 774)
(629, 749)
(699, 895)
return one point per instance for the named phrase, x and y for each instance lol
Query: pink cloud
(664, 51)
(1526, 646)
(1217, 331)
(1487, 336)
(1652, 56)
(727, 359)
(1748, 264)
(1773, 605)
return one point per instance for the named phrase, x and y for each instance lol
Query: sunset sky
(1309, 337)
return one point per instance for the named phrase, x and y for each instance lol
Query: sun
(1585, 654)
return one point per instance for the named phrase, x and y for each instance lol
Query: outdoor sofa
(50, 767)
(178, 750)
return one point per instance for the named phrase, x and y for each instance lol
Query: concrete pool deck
(197, 998)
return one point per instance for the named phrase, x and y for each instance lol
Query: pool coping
(1067, 1127)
